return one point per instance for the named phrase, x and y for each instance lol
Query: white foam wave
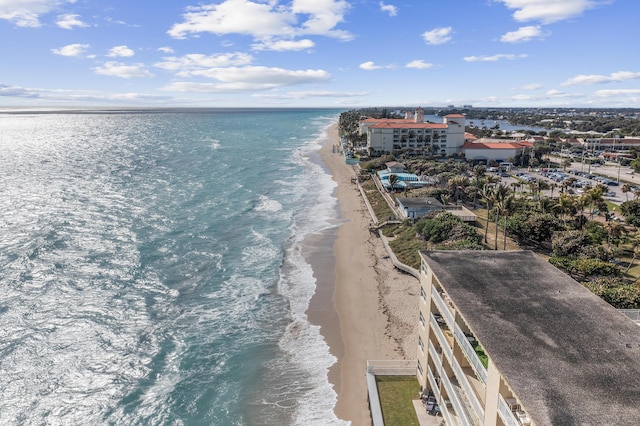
(302, 341)
(265, 204)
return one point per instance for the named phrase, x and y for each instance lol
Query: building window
(425, 268)
(421, 344)
(420, 368)
(422, 321)
(423, 294)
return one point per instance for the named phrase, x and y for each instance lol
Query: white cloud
(532, 86)
(282, 45)
(165, 49)
(494, 58)
(370, 65)
(388, 8)
(555, 92)
(266, 21)
(249, 78)
(616, 93)
(263, 76)
(419, 64)
(523, 34)
(548, 11)
(26, 13)
(118, 69)
(76, 49)
(599, 79)
(187, 64)
(120, 52)
(437, 35)
(69, 21)
(76, 95)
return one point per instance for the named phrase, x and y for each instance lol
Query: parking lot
(613, 176)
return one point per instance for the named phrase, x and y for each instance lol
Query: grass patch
(377, 201)
(405, 245)
(396, 396)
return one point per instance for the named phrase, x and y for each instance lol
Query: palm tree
(393, 179)
(565, 205)
(626, 189)
(502, 192)
(506, 207)
(477, 181)
(597, 199)
(635, 244)
(457, 185)
(488, 193)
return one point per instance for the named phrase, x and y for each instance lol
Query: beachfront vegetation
(396, 396)
(574, 231)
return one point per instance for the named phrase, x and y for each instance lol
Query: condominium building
(413, 134)
(505, 338)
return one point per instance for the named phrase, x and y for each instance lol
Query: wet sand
(367, 309)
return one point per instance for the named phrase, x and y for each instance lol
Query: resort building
(483, 150)
(413, 134)
(608, 144)
(505, 338)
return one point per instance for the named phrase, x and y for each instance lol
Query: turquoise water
(151, 267)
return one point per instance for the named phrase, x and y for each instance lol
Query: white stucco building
(483, 150)
(414, 134)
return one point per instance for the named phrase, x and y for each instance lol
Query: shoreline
(366, 309)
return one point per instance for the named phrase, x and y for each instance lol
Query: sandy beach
(366, 308)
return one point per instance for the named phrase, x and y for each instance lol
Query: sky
(320, 53)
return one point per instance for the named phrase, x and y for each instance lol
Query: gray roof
(430, 202)
(570, 357)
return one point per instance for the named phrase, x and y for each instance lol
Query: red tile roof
(494, 145)
(408, 125)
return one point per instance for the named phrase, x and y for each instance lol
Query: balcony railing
(505, 413)
(433, 383)
(434, 354)
(471, 395)
(462, 378)
(470, 354)
(455, 401)
(444, 309)
(441, 339)
(435, 388)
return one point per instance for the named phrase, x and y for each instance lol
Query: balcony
(444, 309)
(445, 343)
(453, 391)
(471, 397)
(470, 353)
(506, 413)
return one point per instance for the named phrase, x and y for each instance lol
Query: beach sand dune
(371, 310)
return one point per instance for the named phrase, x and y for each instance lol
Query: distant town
(557, 121)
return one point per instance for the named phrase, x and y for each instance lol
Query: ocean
(152, 267)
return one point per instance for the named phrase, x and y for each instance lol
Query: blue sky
(320, 53)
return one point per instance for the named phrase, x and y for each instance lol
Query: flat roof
(420, 202)
(570, 357)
